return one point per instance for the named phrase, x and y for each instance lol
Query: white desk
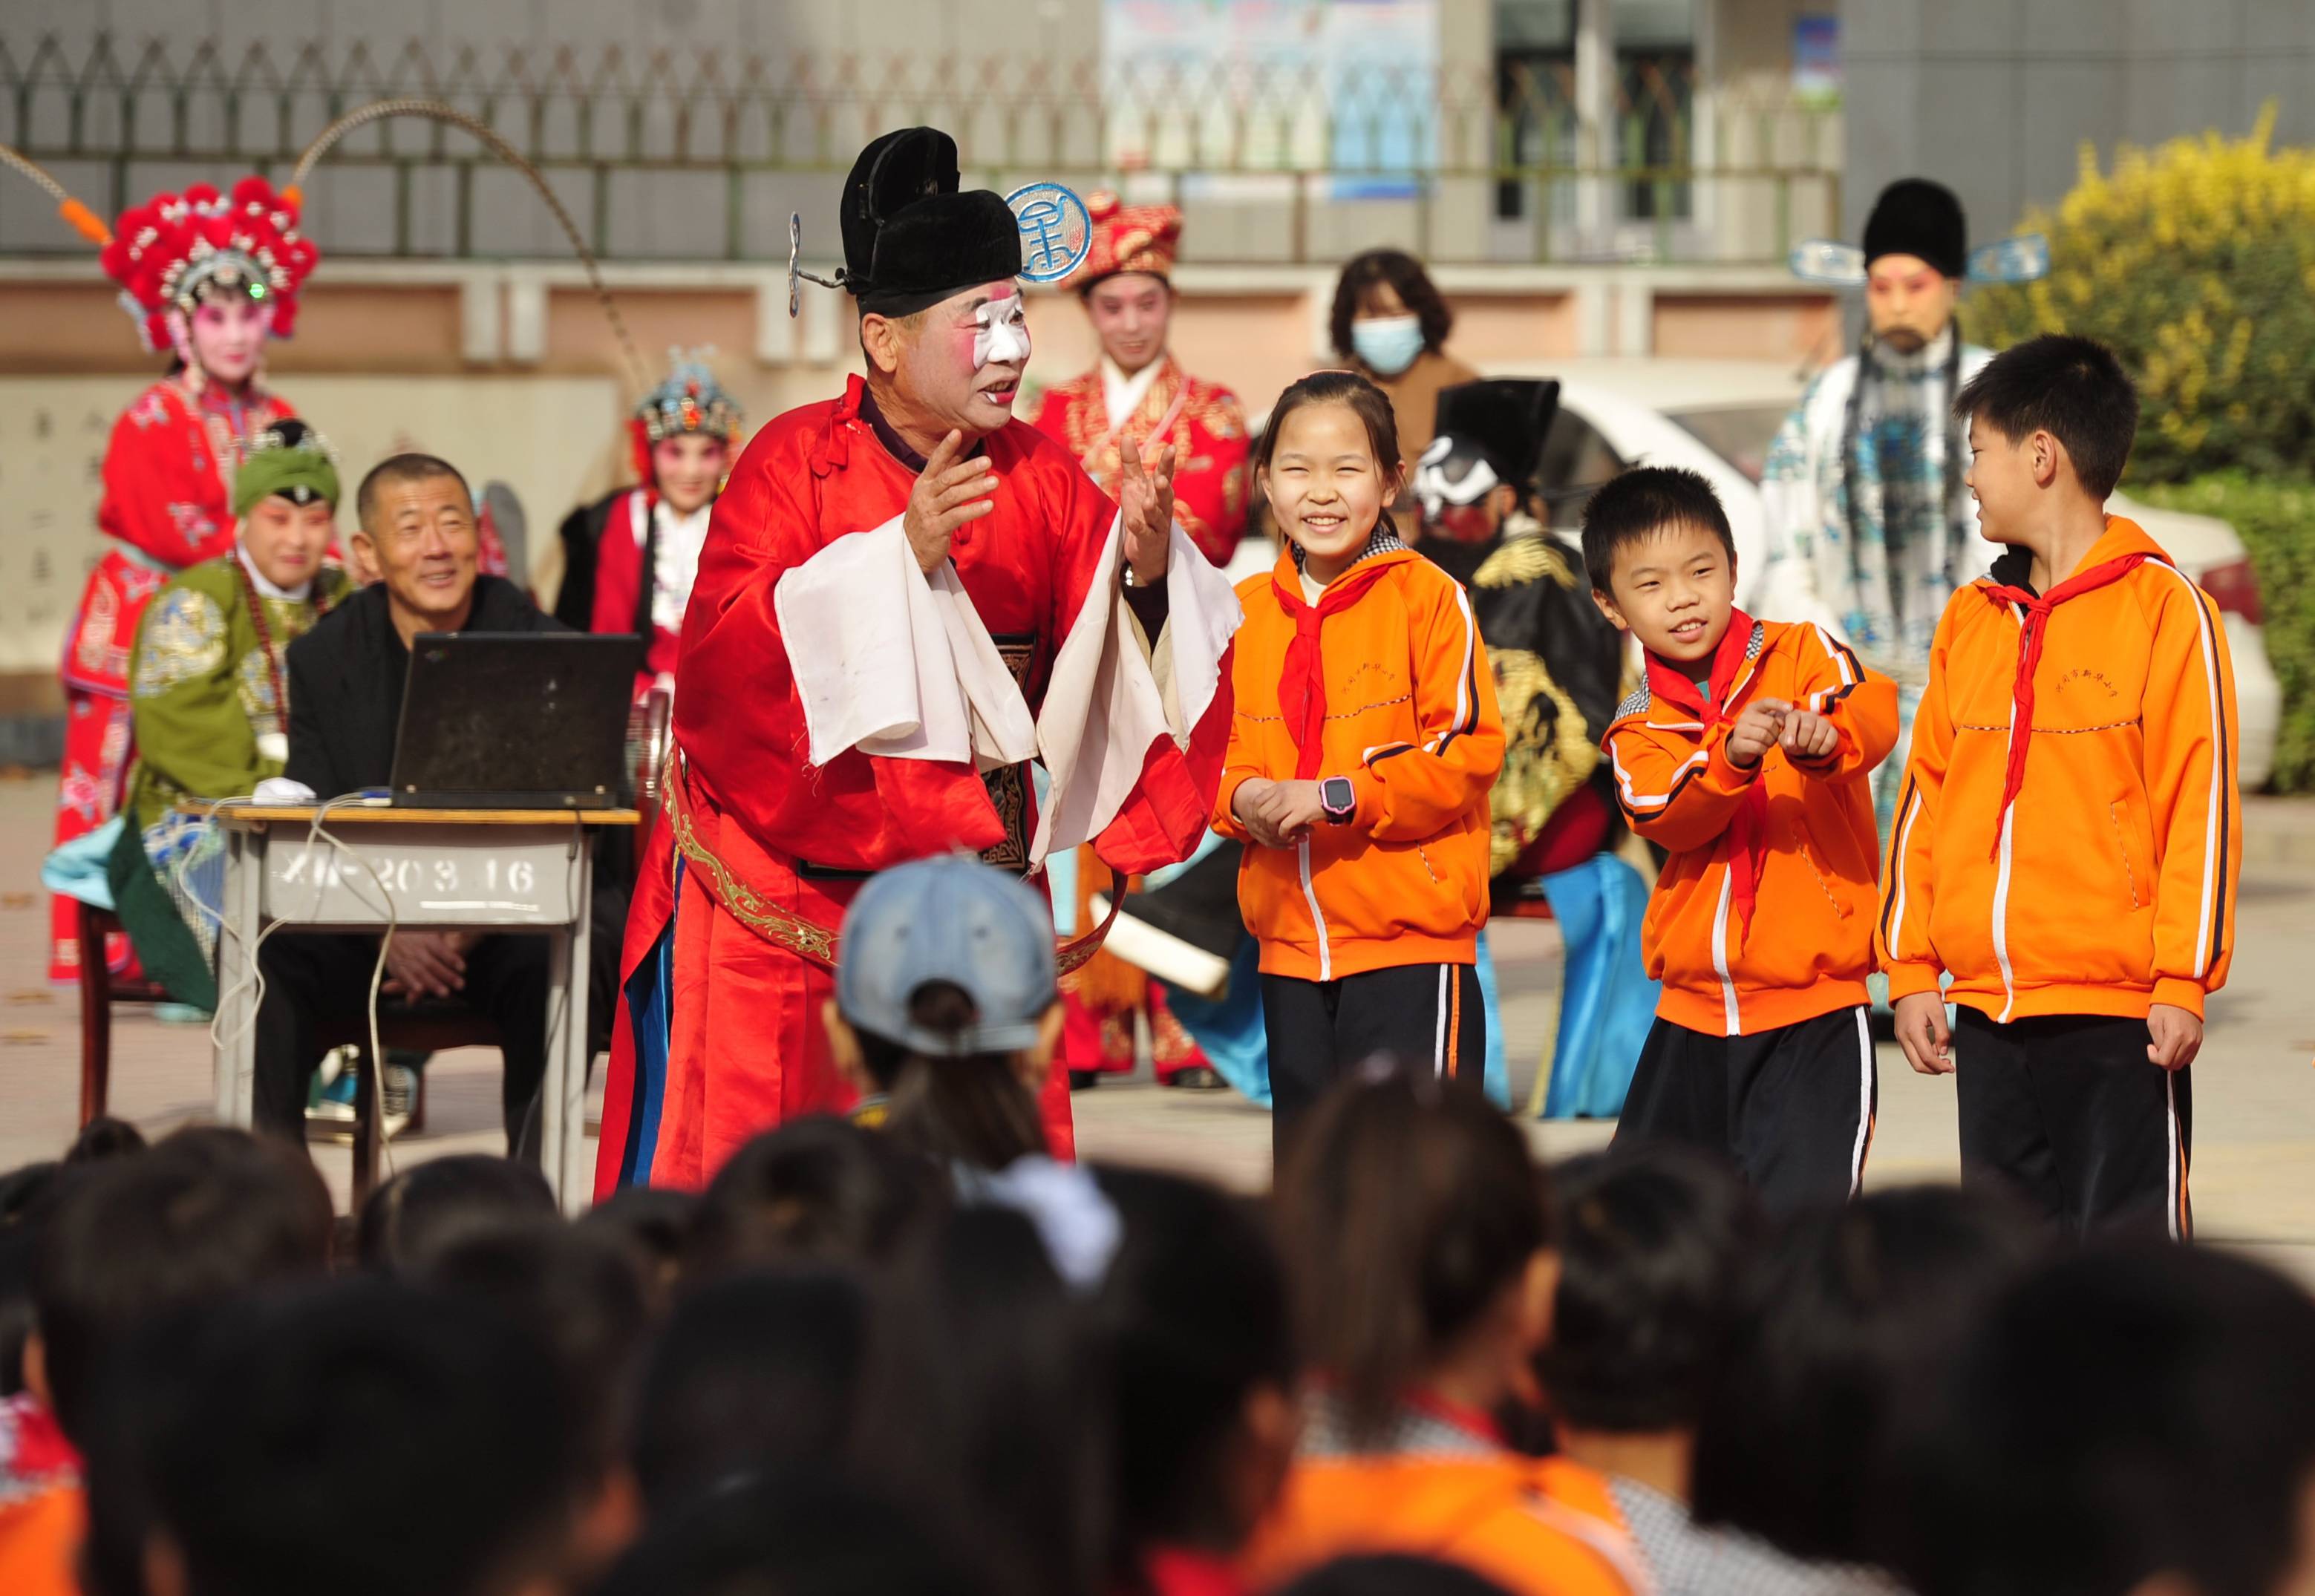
(506, 871)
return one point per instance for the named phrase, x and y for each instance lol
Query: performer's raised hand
(1145, 498)
(949, 494)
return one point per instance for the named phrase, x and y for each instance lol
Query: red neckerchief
(1472, 1422)
(2029, 655)
(1178, 1571)
(1748, 828)
(1302, 683)
(34, 1455)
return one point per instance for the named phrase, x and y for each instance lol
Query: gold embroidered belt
(792, 932)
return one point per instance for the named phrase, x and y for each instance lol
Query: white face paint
(1004, 336)
(1437, 486)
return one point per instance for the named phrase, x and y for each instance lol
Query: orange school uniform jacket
(1802, 835)
(1403, 703)
(2107, 883)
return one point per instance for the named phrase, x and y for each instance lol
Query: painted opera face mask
(1131, 312)
(286, 540)
(224, 337)
(1907, 302)
(689, 467)
(960, 366)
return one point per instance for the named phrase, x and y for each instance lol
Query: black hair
(1408, 279)
(1391, 1574)
(103, 1137)
(756, 1374)
(367, 1437)
(431, 1206)
(1194, 1307)
(25, 1197)
(1369, 402)
(2118, 1419)
(968, 1109)
(986, 1403)
(1843, 1306)
(814, 1190)
(654, 1224)
(799, 1534)
(1639, 505)
(1406, 1210)
(398, 469)
(2074, 389)
(1652, 1241)
(579, 1295)
(197, 1216)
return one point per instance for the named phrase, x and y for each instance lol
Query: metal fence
(1489, 164)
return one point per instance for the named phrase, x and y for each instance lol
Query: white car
(1717, 418)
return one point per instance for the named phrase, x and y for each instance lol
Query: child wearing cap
(1745, 753)
(947, 1009)
(1364, 741)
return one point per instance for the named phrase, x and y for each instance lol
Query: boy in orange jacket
(1745, 754)
(2067, 842)
(1364, 741)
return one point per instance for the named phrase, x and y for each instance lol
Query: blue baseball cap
(948, 919)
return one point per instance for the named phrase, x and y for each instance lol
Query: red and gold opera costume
(1206, 427)
(728, 956)
(168, 472)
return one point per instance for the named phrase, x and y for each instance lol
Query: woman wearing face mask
(1390, 324)
(211, 279)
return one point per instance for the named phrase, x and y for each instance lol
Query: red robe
(719, 1032)
(168, 496)
(1201, 420)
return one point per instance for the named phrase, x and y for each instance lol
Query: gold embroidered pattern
(184, 639)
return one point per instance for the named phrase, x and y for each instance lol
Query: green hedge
(2275, 518)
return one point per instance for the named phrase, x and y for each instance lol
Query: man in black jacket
(345, 684)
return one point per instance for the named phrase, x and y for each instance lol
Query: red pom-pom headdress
(1128, 238)
(176, 250)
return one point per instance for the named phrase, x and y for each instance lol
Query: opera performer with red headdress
(906, 596)
(629, 558)
(208, 278)
(1138, 391)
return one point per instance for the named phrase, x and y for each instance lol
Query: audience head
(418, 531)
(104, 1138)
(948, 1006)
(756, 1374)
(1388, 312)
(805, 1534)
(817, 1189)
(2052, 415)
(654, 1224)
(1194, 1309)
(23, 1204)
(985, 1401)
(1415, 1231)
(367, 1438)
(197, 1217)
(2135, 1420)
(1844, 1306)
(1329, 465)
(431, 1206)
(1653, 1241)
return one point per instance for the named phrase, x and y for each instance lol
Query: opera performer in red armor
(208, 278)
(905, 596)
(1139, 391)
(629, 558)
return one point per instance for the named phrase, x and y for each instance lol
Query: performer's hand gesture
(1145, 498)
(949, 494)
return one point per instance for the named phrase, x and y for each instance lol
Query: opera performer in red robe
(208, 278)
(1138, 392)
(906, 595)
(629, 558)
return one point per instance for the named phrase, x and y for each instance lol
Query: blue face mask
(1388, 344)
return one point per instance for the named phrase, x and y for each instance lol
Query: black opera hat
(1917, 216)
(911, 239)
(1505, 419)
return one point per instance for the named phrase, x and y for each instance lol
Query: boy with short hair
(2066, 845)
(1744, 753)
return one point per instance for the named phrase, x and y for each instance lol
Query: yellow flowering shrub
(2195, 262)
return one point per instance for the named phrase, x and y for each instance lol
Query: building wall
(1997, 97)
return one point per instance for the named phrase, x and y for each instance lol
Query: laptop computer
(515, 720)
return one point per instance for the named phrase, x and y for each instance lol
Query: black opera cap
(911, 239)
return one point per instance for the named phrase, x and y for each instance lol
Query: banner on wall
(1345, 87)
